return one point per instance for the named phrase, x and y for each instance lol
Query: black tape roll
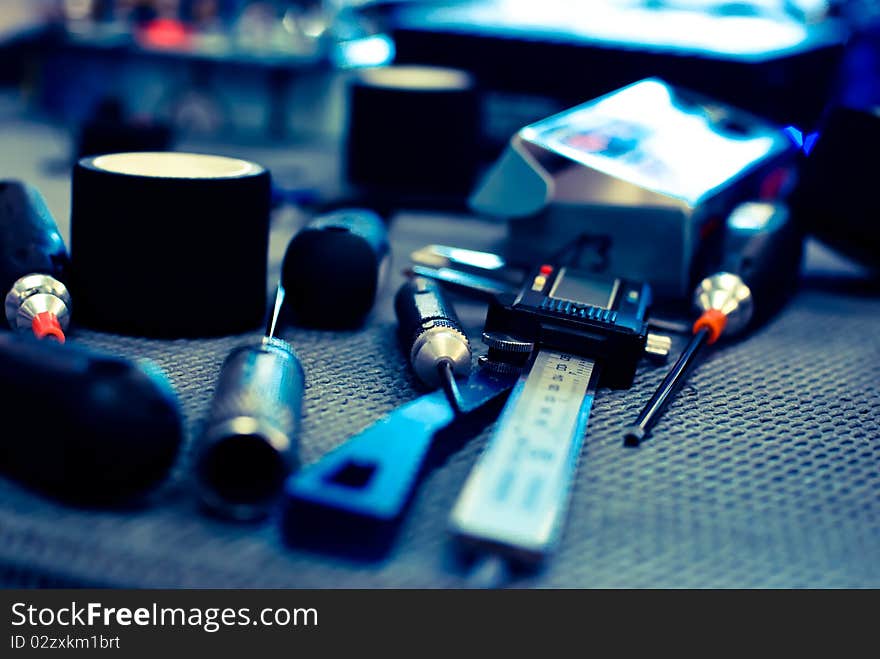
(835, 199)
(170, 244)
(413, 130)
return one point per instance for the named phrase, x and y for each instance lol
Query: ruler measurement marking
(533, 453)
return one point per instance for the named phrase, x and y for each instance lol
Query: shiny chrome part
(34, 294)
(727, 293)
(278, 448)
(440, 342)
(465, 282)
(658, 346)
(430, 257)
(756, 216)
(249, 425)
(249, 445)
(440, 256)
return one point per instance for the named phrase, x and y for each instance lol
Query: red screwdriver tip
(46, 325)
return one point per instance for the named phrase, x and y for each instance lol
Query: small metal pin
(658, 346)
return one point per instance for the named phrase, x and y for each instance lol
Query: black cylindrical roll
(430, 330)
(84, 426)
(413, 130)
(170, 244)
(835, 198)
(333, 268)
(250, 440)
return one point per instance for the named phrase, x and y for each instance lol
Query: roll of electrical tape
(170, 244)
(413, 130)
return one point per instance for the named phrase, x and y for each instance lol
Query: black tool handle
(763, 246)
(250, 440)
(84, 426)
(430, 331)
(421, 302)
(29, 239)
(334, 267)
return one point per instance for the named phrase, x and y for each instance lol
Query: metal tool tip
(633, 435)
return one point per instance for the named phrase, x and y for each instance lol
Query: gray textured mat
(764, 472)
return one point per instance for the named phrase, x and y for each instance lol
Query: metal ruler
(516, 497)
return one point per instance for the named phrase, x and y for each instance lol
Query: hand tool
(33, 264)
(467, 283)
(436, 343)
(170, 244)
(334, 267)
(558, 330)
(761, 254)
(250, 441)
(366, 483)
(352, 500)
(469, 260)
(85, 426)
(577, 313)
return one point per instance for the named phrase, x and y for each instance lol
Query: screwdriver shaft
(272, 325)
(449, 385)
(671, 383)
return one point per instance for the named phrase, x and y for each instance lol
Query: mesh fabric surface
(762, 473)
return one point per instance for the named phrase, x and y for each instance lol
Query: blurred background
(274, 81)
(153, 74)
(110, 75)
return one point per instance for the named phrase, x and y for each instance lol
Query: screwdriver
(439, 351)
(352, 500)
(84, 426)
(33, 264)
(334, 267)
(249, 444)
(759, 264)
